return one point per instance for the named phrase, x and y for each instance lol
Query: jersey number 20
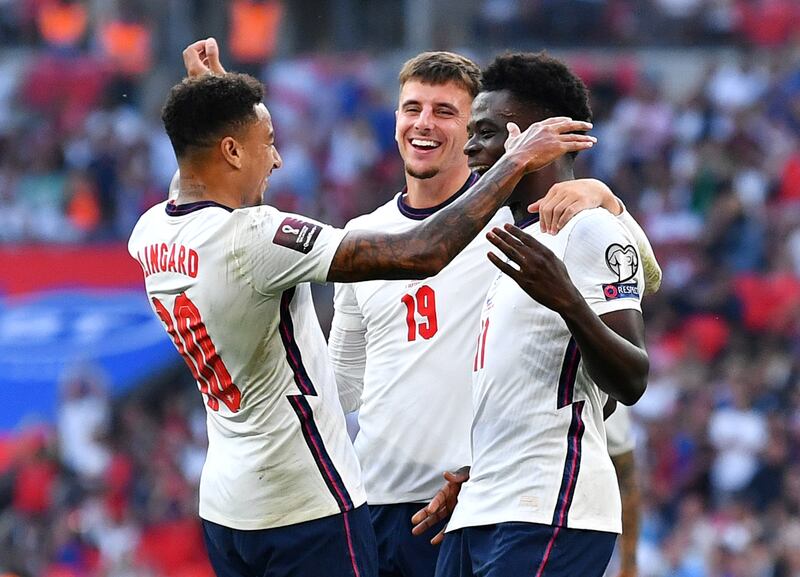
(195, 346)
(424, 303)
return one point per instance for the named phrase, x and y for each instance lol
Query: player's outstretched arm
(566, 199)
(441, 506)
(612, 346)
(426, 249)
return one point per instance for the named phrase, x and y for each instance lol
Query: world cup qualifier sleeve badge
(623, 261)
(297, 234)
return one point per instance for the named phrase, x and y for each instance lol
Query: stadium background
(697, 108)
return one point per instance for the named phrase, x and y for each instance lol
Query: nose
(471, 148)
(424, 120)
(278, 161)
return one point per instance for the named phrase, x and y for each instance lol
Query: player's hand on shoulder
(541, 273)
(441, 506)
(566, 199)
(542, 142)
(202, 57)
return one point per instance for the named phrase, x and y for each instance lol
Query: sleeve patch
(623, 261)
(297, 234)
(620, 290)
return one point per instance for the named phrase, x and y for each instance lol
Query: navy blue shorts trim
(524, 550)
(401, 554)
(341, 545)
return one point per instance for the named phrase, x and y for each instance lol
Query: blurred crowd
(110, 490)
(766, 23)
(714, 180)
(712, 173)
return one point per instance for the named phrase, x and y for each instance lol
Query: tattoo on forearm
(426, 249)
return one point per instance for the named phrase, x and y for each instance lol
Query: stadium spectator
(750, 315)
(63, 23)
(253, 33)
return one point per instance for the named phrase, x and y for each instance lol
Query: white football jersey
(619, 433)
(230, 287)
(538, 442)
(416, 405)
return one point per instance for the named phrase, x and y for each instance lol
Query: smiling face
(260, 156)
(432, 127)
(491, 111)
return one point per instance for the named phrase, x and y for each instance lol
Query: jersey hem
(621, 449)
(480, 520)
(450, 530)
(602, 308)
(275, 521)
(384, 499)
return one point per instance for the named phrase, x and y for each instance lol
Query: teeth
(425, 143)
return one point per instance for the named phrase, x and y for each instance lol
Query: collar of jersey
(422, 213)
(528, 220)
(182, 209)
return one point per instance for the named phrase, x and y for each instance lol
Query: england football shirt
(538, 441)
(230, 287)
(416, 409)
(619, 433)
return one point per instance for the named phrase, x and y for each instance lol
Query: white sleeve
(347, 347)
(652, 270)
(603, 263)
(619, 435)
(276, 250)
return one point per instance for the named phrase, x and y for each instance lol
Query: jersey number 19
(424, 303)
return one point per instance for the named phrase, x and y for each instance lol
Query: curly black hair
(539, 81)
(198, 111)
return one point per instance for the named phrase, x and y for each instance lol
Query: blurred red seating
(66, 88)
(175, 548)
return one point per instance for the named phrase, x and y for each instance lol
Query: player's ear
(231, 151)
(396, 133)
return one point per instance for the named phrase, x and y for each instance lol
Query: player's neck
(430, 192)
(535, 186)
(198, 185)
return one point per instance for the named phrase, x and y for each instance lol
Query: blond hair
(442, 67)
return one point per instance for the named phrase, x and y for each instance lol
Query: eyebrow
(435, 104)
(482, 122)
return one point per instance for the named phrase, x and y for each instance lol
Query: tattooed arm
(426, 249)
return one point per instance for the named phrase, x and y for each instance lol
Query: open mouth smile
(424, 144)
(479, 168)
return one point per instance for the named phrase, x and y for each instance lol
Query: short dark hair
(539, 81)
(198, 111)
(442, 67)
